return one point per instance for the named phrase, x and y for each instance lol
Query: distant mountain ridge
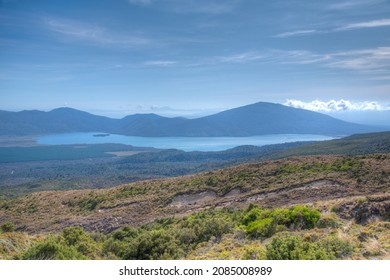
(255, 119)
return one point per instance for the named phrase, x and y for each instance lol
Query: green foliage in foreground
(53, 248)
(296, 248)
(174, 238)
(264, 223)
(74, 243)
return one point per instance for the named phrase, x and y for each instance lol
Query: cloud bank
(336, 105)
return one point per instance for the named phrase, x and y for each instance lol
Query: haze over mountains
(255, 119)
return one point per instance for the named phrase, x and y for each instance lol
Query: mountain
(256, 119)
(61, 120)
(269, 118)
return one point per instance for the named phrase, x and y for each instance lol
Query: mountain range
(255, 119)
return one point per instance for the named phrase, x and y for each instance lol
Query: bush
(303, 217)
(153, 245)
(296, 248)
(254, 253)
(74, 235)
(52, 249)
(187, 236)
(7, 227)
(336, 247)
(115, 247)
(255, 213)
(125, 232)
(264, 223)
(82, 241)
(262, 228)
(72, 244)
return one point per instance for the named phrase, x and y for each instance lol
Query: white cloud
(140, 2)
(365, 60)
(190, 6)
(201, 6)
(336, 105)
(346, 27)
(367, 24)
(347, 5)
(92, 33)
(373, 62)
(163, 63)
(298, 57)
(296, 33)
(230, 59)
(237, 58)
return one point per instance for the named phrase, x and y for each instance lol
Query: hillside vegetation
(298, 232)
(320, 207)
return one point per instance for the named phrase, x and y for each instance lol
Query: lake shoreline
(188, 144)
(19, 141)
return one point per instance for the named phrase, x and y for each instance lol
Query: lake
(181, 143)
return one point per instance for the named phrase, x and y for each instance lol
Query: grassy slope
(335, 229)
(352, 194)
(270, 184)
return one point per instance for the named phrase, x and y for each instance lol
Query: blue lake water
(181, 143)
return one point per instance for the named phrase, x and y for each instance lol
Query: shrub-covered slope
(298, 232)
(319, 207)
(275, 183)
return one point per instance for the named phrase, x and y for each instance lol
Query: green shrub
(303, 217)
(264, 222)
(53, 248)
(281, 216)
(74, 235)
(262, 228)
(187, 236)
(7, 227)
(296, 248)
(283, 248)
(254, 253)
(336, 247)
(118, 248)
(255, 213)
(153, 245)
(73, 243)
(125, 232)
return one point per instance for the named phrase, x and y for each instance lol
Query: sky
(194, 57)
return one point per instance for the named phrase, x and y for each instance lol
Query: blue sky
(183, 57)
